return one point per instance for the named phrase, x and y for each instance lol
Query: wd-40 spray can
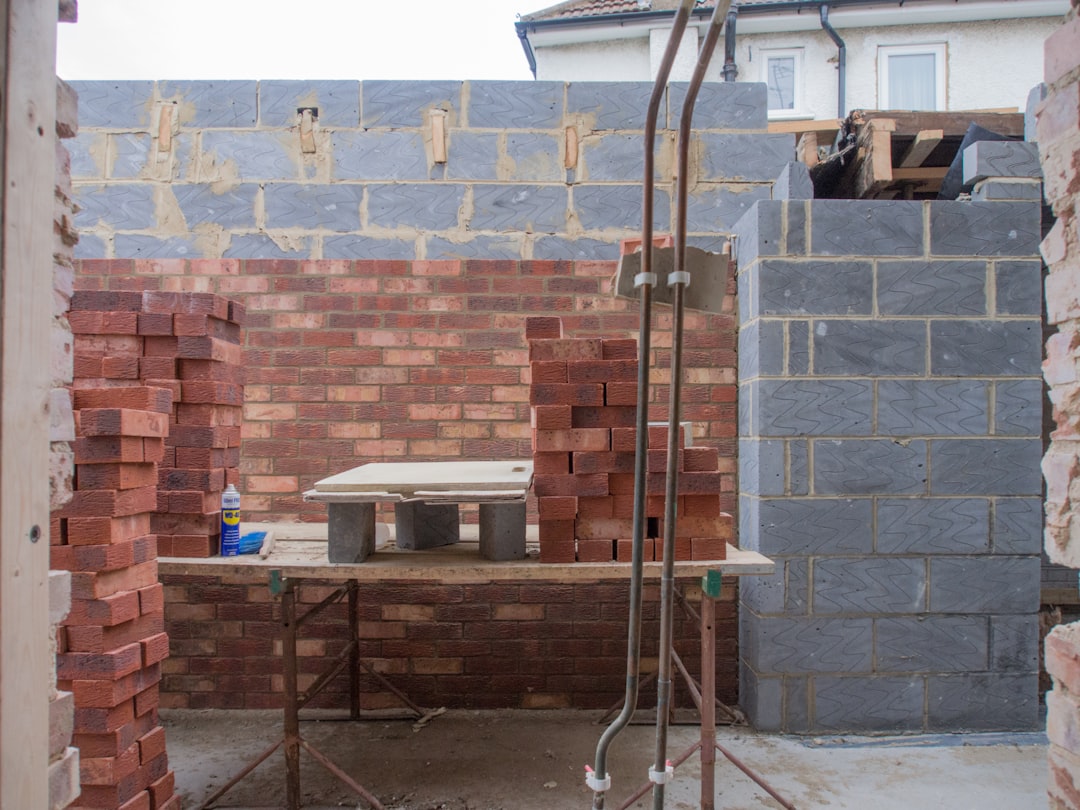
(230, 522)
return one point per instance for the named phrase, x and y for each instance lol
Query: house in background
(820, 60)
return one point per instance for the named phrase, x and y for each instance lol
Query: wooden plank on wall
(27, 164)
(925, 142)
(874, 167)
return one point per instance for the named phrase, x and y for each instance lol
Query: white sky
(295, 39)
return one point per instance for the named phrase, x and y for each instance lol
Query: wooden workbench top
(305, 557)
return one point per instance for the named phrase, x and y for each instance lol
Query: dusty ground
(534, 761)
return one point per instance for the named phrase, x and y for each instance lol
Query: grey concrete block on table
(609, 105)
(313, 207)
(932, 644)
(867, 704)
(213, 103)
(114, 104)
(934, 407)
(985, 466)
(1018, 526)
(230, 208)
(877, 348)
(527, 208)
(121, 207)
(930, 288)
(810, 526)
(933, 526)
(814, 288)
(754, 158)
(869, 467)
(998, 585)
(983, 702)
(351, 532)
(985, 159)
(962, 228)
(515, 105)
(338, 102)
(793, 183)
(866, 228)
(421, 525)
(874, 585)
(813, 407)
(256, 155)
(502, 530)
(985, 348)
(376, 155)
(421, 206)
(406, 103)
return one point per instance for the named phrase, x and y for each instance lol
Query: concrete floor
(513, 760)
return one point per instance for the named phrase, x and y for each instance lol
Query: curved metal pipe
(841, 65)
(679, 280)
(730, 71)
(633, 646)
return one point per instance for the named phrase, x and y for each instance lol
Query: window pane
(911, 82)
(780, 75)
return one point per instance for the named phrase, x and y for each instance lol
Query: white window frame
(764, 54)
(935, 49)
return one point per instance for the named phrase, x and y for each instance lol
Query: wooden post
(27, 177)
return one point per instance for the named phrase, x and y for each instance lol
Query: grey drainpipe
(523, 35)
(730, 71)
(841, 53)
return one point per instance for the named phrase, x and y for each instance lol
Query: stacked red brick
(113, 640)
(203, 449)
(190, 344)
(583, 395)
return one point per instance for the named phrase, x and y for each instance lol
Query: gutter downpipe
(523, 35)
(730, 71)
(841, 67)
(599, 780)
(659, 774)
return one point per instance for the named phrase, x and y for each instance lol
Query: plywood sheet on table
(412, 476)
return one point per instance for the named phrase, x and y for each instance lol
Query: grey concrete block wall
(889, 395)
(208, 169)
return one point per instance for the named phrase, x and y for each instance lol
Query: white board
(408, 477)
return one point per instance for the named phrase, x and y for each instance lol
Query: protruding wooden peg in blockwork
(307, 129)
(165, 125)
(570, 158)
(438, 135)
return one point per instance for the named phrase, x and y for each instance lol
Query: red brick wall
(531, 645)
(370, 360)
(360, 361)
